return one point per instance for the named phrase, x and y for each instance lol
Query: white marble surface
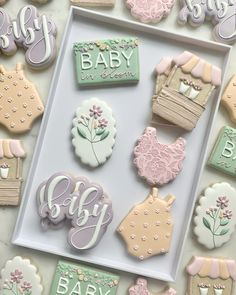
(58, 9)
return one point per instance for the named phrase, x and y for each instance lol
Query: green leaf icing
(206, 223)
(71, 278)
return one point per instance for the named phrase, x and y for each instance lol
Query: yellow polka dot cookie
(20, 103)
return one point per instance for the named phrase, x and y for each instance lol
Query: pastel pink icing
(163, 65)
(13, 146)
(150, 10)
(141, 288)
(156, 162)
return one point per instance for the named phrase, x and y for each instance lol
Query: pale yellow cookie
(147, 229)
(229, 98)
(20, 103)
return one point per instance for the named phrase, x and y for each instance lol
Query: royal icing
(222, 13)
(36, 34)
(150, 11)
(214, 217)
(141, 288)
(183, 86)
(156, 162)
(93, 132)
(107, 61)
(20, 103)
(11, 155)
(223, 155)
(93, 3)
(211, 276)
(229, 98)
(77, 279)
(147, 229)
(63, 197)
(19, 276)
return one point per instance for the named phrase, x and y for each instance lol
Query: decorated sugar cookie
(89, 210)
(223, 155)
(93, 132)
(156, 162)
(222, 14)
(11, 155)
(20, 277)
(102, 62)
(229, 98)
(211, 276)
(93, 3)
(71, 278)
(150, 11)
(183, 86)
(36, 34)
(20, 103)
(141, 288)
(214, 217)
(147, 229)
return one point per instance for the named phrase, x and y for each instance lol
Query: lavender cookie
(222, 14)
(36, 34)
(63, 197)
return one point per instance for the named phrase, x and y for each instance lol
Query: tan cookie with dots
(229, 98)
(147, 229)
(20, 103)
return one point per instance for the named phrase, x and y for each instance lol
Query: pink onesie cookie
(149, 11)
(156, 162)
(141, 288)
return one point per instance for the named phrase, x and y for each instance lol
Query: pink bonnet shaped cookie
(156, 162)
(150, 11)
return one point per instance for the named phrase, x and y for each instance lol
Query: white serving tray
(131, 105)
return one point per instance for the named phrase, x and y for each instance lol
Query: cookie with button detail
(20, 103)
(147, 229)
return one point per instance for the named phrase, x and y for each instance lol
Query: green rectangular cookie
(112, 61)
(223, 155)
(77, 279)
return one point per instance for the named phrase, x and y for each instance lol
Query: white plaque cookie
(215, 216)
(20, 277)
(93, 132)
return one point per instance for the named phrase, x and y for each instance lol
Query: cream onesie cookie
(94, 131)
(19, 276)
(20, 103)
(229, 98)
(211, 276)
(215, 218)
(147, 229)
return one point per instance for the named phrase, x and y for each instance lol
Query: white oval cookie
(93, 132)
(20, 277)
(215, 217)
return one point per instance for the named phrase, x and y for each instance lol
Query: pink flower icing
(150, 10)
(156, 162)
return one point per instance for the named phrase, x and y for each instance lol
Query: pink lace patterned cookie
(149, 11)
(156, 162)
(141, 288)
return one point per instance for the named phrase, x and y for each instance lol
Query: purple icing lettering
(85, 204)
(221, 12)
(36, 34)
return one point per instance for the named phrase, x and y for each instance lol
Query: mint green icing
(107, 61)
(77, 279)
(223, 156)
